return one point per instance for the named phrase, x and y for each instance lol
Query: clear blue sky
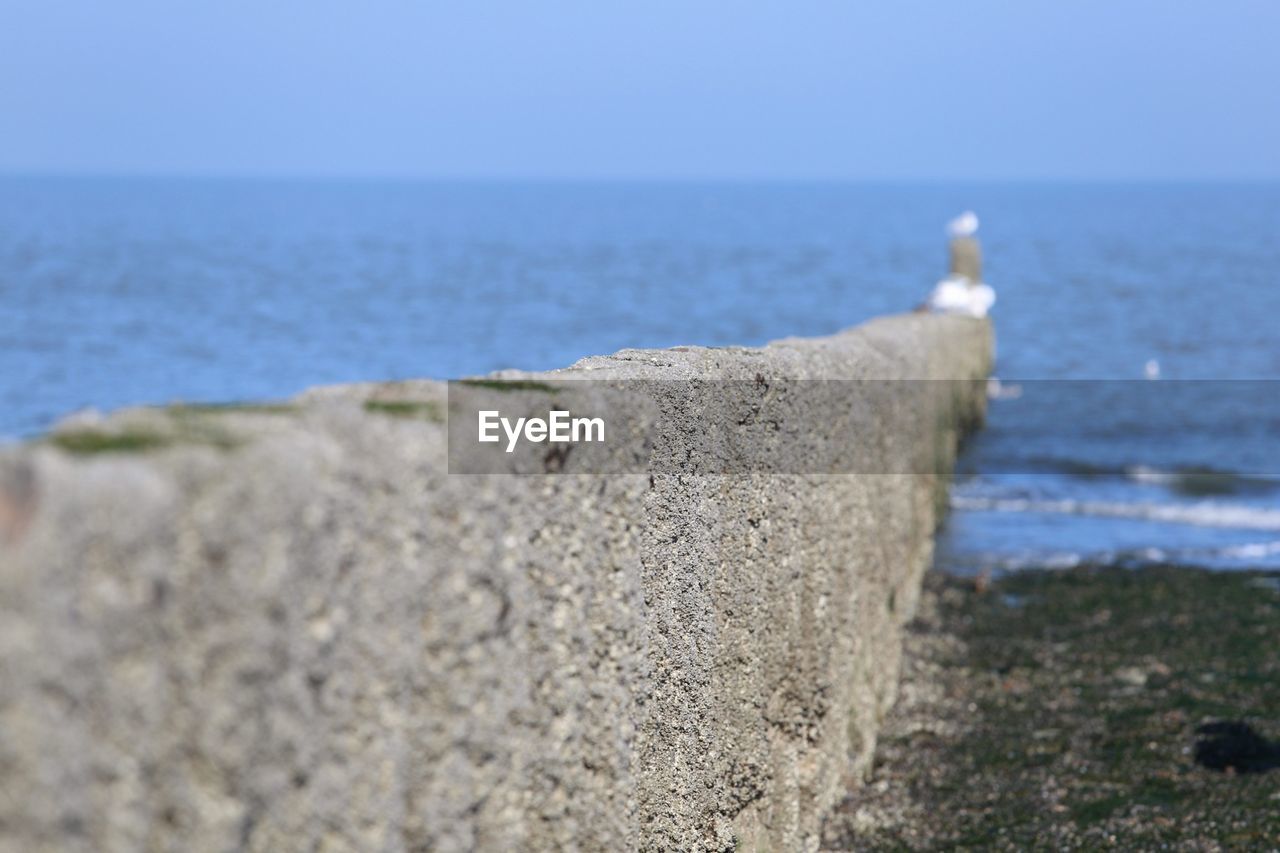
(896, 89)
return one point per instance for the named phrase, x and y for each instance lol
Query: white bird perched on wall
(964, 225)
(962, 291)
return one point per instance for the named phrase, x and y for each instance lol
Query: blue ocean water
(123, 291)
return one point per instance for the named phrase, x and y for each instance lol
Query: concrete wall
(287, 628)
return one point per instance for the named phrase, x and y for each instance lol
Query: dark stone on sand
(1234, 746)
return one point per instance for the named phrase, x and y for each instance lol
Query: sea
(1136, 418)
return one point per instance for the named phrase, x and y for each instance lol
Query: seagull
(964, 225)
(961, 292)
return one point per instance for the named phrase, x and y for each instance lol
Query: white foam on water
(1202, 514)
(1151, 476)
(1251, 550)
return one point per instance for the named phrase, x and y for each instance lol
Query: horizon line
(493, 178)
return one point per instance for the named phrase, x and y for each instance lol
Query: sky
(643, 89)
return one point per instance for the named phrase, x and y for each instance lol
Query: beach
(1081, 709)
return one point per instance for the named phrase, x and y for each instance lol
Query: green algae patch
(162, 429)
(184, 409)
(424, 410)
(1085, 708)
(84, 442)
(88, 442)
(509, 385)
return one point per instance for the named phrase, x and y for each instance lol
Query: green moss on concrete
(509, 385)
(175, 426)
(426, 410)
(233, 409)
(90, 441)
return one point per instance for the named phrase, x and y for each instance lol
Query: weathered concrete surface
(289, 629)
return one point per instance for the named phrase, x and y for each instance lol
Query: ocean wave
(1203, 514)
(1191, 480)
(1198, 480)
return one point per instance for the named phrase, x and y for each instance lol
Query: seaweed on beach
(1082, 709)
